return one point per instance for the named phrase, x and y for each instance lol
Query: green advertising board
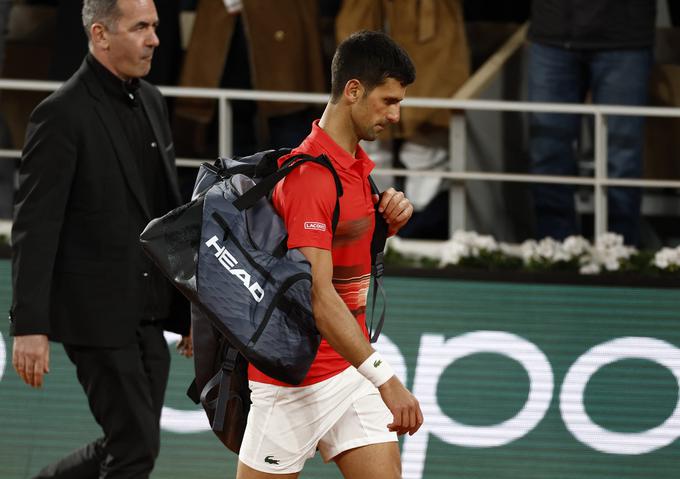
(515, 381)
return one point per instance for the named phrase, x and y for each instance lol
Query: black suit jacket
(79, 210)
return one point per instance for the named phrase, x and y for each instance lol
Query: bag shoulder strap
(264, 186)
(377, 265)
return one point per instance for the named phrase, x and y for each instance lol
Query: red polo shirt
(305, 199)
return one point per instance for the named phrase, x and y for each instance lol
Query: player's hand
(31, 358)
(395, 208)
(185, 346)
(407, 416)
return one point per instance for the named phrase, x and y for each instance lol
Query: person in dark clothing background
(98, 164)
(604, 47)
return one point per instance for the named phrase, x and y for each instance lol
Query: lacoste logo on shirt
(377, 363)
(271, 460)
(315, 225)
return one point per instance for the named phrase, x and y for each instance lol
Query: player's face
(375, 110)
(133, 39)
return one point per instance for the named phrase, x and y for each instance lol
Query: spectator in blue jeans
(604, 47)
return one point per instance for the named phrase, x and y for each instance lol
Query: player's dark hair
(371, 58)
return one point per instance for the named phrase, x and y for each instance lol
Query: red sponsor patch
(315, 225)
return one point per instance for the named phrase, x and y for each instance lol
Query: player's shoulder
(310, 176)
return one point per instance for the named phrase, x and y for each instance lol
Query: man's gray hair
(105, 12)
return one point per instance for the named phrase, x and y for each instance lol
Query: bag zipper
(285, 286)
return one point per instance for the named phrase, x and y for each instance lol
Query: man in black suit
(70, 43)
(97, 165)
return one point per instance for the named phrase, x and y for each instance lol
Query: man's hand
(185, 346)
(31, 358)
(395, 208)
(404, 407)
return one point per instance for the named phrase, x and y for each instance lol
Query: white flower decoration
(667, 258)
(465, 244)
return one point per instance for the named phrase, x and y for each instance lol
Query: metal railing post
(600, 192)
(224, 126)
(457, 152)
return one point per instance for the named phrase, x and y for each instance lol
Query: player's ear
(353, 90)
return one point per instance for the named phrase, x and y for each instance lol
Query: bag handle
(224, 393)
(223, 380)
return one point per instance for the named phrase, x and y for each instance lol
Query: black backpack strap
(224, 393)
(377, 265)
(223, 380)
(269, 162)
(262, 189)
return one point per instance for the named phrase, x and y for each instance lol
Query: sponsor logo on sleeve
(315, 226)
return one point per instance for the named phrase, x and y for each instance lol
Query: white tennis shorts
(287, 424)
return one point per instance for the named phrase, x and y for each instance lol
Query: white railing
(457, 139)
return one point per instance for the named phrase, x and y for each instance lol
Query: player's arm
(334, 321)
(339, 327)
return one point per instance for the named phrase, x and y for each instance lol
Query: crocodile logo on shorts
(271, 460)
(377, 363)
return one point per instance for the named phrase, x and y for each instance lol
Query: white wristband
(376, 369)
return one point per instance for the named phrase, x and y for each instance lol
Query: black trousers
(125, 389)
